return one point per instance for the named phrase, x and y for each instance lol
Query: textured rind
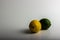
(35, 26)
(45, 23)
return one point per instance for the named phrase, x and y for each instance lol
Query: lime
(35, 26)
(45, 23)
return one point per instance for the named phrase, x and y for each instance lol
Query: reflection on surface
(43, 34)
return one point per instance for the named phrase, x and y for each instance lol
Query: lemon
(35, 26)
(46, 23)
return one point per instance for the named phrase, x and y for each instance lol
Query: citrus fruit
(45, 23)
(35, 26)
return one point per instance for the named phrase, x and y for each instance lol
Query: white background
(15, 16)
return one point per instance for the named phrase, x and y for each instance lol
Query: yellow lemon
(35, 26)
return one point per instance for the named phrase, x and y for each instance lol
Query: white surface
(15, 16)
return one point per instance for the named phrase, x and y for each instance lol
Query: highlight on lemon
(35, 26)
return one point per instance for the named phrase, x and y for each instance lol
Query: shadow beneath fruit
(45, 29)
(26, 31)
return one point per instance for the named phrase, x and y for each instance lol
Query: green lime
(45, 23)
